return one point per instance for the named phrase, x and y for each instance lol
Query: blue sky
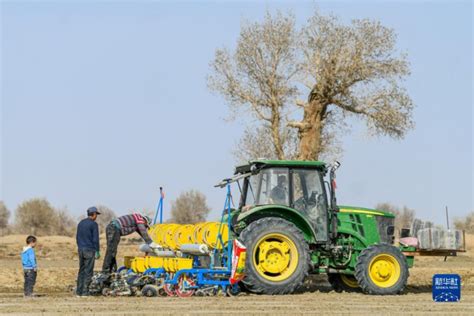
(103, 102)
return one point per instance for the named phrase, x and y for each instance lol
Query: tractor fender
(283, 212)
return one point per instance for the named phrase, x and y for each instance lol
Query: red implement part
(185, 286)
(170, 289)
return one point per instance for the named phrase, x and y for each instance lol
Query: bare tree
(64, 224)
(327, 71)
(406, 217)
(387, 207)
(190, 207)
(260, 75)
(35, 216)
(257, 143)
(105, 217)
(466, 223)
(403, 217)
(4, 215)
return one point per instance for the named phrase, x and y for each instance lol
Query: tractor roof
(280, 163)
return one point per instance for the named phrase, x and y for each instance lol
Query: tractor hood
(363, 210)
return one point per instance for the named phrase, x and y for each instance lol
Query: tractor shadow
(319, 283)
(315, 283)
(418, 289)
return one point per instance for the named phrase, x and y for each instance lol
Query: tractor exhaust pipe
(334, 209)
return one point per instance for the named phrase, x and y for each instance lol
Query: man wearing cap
(123, 226)
(87, 239)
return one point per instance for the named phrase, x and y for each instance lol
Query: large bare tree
(313, 80)
(256, 142)
(260, 76)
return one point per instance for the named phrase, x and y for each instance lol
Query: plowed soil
(58, 268)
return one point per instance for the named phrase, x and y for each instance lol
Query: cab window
(309, 199)
(269, 186)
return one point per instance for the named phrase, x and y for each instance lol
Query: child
(28, 259)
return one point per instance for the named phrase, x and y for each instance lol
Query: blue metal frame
(156, 271)
(159, 208)
(227, 207)
(201, 279)
(202, 275)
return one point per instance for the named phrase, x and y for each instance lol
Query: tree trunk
(310, 131)
(275, 123)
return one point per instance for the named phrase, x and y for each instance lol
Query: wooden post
(447, 225)
(447, 217)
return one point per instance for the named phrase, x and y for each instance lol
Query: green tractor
(290, 223)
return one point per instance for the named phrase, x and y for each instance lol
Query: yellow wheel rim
(384, 270)
(183, 235)
(350, 281)
(211, 231)
(168, 236)
(198, 236)
(275, 257)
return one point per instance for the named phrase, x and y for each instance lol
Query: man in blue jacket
(88, 248)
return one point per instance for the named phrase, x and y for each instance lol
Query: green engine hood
(363, 210)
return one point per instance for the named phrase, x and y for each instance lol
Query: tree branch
(300, 103)
(296, 124)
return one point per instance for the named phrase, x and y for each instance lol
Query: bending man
(123, 226)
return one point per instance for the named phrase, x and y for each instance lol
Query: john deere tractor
(290, 223)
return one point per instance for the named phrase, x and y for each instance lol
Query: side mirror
(335, 165)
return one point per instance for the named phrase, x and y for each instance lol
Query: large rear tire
(278, 258)
(382, 270)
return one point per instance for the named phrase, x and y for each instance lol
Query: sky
(103, 102)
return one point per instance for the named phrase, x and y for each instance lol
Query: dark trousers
(86, 269)
(112, 233)
(30, 280)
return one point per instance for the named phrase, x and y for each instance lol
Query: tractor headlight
(390, 230)
(405, 232)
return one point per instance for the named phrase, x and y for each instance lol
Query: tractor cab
(292, 185)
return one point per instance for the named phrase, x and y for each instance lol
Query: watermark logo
(446, 288)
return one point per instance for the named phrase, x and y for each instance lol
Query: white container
(438, 238)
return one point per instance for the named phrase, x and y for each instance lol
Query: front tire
(382, 270)
(277, 256)
(150, 290)
(343, 283)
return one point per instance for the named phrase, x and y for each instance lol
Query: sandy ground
(308, 303)
(58, 267)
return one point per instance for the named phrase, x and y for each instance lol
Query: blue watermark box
(446, 288)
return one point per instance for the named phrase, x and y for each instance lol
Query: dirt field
(58, 268)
